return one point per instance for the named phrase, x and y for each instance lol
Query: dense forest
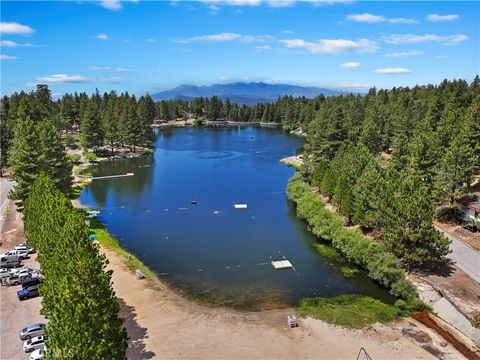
(388, 160)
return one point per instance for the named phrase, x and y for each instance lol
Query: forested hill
(243, 93)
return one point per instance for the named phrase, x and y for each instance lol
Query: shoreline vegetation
(381, 266)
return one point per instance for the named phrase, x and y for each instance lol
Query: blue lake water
(210, 251)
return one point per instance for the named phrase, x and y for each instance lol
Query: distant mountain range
(243, 93)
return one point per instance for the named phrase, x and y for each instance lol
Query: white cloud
(413, 38)
(402, 21)
(335, 46)
(262, 48)
(215, 4)
(223, 78)
(102, 36)
(14, 28)
(281, 3)
(403, 54)
(225, 37)
(113, 5)
(112, 80)
(349, 86)
(439, 18)
(7, 57)
(351, 65)
(8, 43)
(108, 69)
(393, 71)
(151, 40)
(287, 32)
(371, 19)
(63, 78)
(366, 17)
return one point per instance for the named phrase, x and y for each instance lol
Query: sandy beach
(163, 325)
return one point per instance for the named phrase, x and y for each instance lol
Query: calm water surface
(211, 251)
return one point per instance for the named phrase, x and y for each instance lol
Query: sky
(149, 46)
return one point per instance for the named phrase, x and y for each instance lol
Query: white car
(38, 342)
(5, 273)
(38, 354)
(22, 254)
(26, 248)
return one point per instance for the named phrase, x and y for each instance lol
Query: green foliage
(74, 158)
(382, 266)
(77, 297)
(354, 311)
(37, 147)
(90, 156)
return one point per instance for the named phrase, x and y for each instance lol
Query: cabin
(471, 212)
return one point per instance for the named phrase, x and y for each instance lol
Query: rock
(443, 344)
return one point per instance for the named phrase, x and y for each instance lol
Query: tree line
(390, 159)
(77, 297)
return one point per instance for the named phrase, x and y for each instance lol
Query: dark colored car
(27, 293)
(30, 282)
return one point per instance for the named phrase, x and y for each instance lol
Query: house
(471, 212)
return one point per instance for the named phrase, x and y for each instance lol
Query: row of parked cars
(28, 278)
(34, 339)
(12, 273)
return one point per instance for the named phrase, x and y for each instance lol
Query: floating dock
(111, 176)
(282, 264)
(240, 206)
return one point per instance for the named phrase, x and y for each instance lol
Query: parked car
(5, 273)
(38, 342)
(14, 280)
(32, 331)
(26, 248)
(38, 354)
(9, 263)
(27, 293)
(22, 254)
(31, 281)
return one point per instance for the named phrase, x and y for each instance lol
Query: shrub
(91, 157)
(74, 158)
(382, 266)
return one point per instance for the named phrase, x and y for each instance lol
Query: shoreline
(123, 264)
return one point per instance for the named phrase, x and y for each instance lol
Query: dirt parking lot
(16, 314)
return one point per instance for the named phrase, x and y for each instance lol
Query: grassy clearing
(108, 241)
(353, 311)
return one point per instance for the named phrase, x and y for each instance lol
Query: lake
(211, 251)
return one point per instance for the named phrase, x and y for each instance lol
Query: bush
(382, 266)
(91, 157)
(74, 158)
(476, 320)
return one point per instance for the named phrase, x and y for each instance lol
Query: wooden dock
(111, 176)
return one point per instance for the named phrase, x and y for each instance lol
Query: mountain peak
(243, 92)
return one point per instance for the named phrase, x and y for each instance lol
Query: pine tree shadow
(136, 333)
(445, 270)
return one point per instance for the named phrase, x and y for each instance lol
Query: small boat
(194, 202)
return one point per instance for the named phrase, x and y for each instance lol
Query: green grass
(353, 311)
(108, 241)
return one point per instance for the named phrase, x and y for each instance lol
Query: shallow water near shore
(211, 251)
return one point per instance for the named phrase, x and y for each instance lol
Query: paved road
(5, 187)
(465, 257)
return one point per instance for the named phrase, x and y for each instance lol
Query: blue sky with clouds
(142, 46)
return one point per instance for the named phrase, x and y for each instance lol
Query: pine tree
(110, 125)
(53, 160)
(25, 159)
(409, 232)
(90, 128)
